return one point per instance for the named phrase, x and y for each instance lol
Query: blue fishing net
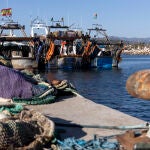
(95, 144)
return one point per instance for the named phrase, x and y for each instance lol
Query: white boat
(38, 28)
(18, 49)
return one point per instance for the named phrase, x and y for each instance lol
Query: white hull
(24, 62)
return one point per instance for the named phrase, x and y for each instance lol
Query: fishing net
(28, 130)
(13, 84)
(16, 84)
(24, 87)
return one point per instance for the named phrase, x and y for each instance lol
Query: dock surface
(81, 111)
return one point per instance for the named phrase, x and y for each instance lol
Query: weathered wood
(2, 39)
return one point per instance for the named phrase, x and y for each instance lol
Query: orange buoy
(138, 84)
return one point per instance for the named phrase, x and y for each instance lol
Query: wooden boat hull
(69, 62)
(66, 62)
(52, 64)
(24, 62)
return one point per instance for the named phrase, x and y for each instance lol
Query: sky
(122, 18)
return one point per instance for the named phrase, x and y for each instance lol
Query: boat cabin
(38, 28)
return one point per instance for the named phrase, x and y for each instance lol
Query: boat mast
(99, 31)
(58, 24)
(7, 23)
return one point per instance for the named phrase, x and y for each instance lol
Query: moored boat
(15, 48)
(103, 53)
(61, 47)
(62, 50)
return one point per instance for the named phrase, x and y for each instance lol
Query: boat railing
(19, 39)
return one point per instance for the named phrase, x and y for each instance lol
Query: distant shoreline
(136, 52)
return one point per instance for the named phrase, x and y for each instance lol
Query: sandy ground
(81, 111)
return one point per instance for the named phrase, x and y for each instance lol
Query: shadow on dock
(65, 128)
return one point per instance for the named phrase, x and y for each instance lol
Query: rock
(138, 84)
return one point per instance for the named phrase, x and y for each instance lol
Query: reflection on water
(107, 87)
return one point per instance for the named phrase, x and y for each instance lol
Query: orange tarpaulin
(50, 51)
(87, 48)
(6, 12)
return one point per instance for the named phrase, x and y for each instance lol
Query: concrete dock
(81, 111)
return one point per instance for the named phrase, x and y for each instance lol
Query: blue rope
(98, 143)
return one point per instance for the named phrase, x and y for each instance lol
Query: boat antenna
(71, 25)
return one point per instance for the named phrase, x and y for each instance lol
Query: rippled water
(107, 87)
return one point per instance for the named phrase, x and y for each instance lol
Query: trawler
(19, 50)
(62, 50)
(103, 52)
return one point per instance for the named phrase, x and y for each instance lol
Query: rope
(97, 143)
(74, 92)
(35, 100)
(142, 126)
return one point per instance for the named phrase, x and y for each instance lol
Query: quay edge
(81, 111)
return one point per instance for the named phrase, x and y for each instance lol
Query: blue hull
(70, 63)
(102, 62)
(66, 63)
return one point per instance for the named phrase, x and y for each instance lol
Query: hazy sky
(124, 18)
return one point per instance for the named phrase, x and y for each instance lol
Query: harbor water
(107, 86)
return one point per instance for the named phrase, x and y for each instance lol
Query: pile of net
(97, 143)
(28, 88)
(27, 130)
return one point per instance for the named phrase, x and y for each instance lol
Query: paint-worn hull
(69, 62)
(24, 62)
(102, 62)
(65, 62)
(73, 62)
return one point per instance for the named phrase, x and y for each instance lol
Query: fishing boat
(62, 50)
(103, 53)
(15, 48)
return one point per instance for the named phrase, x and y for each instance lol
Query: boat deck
(81, 111)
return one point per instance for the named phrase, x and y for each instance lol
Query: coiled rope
(44, 98)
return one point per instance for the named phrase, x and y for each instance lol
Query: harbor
(73, 115)
(72, 84)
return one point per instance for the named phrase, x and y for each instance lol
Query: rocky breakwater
(144, 51)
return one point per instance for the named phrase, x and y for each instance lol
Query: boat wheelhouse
(38, 28)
